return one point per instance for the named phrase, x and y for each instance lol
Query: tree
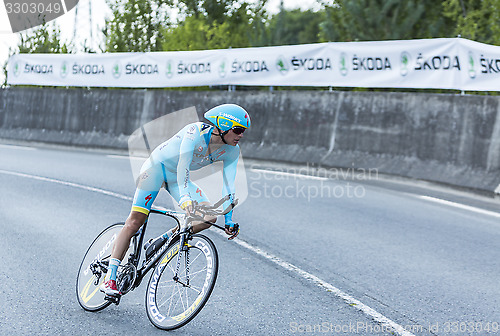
(44, 39)
(362, 20)
(212, 10)
(136, 25)
(206, 26)
(295, 27)
(475, 20)
(195, 33)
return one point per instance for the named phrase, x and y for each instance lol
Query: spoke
(197, 272)
(170, 300)
(199, 254)
(175, 297)
(191, 262)
(165, 284)
(180, 297)
(171, 268)
(194, 289)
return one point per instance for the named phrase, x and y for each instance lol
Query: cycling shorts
(150, 182)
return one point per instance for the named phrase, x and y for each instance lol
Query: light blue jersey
(172, 161)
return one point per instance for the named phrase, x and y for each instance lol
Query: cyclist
(193, 147)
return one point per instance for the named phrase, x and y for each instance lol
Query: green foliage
(295, 27)
(212, 10)
(207, 24)
(135, 25)
(475, 20)
(363, 20)
(197, 34)
(44, 39)
(207, 27)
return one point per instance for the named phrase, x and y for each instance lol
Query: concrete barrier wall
(445, 138)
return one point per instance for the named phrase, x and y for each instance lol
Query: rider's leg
(148, 184)
(133, 223)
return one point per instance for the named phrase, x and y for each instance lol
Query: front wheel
(175, 298)
(94, 267)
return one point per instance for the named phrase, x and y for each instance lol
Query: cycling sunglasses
(238, 130)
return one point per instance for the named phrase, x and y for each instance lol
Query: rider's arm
(229, 176)
(185, 158)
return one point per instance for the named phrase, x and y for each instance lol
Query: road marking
(17, 147)
(376, 316)
(126, 157)
(301, 176)
(497, 190)
(460, 206)
(69, 184)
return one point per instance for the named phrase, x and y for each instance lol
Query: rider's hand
(232, 229)
(186, 204)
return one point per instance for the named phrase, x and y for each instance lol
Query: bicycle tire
(88, 294)
(203, 252)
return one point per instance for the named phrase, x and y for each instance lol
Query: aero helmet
(227, 116)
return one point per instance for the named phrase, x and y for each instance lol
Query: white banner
(433, 63)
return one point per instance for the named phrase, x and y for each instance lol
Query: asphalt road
(425, 265)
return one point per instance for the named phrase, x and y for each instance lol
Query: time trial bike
(184, 268)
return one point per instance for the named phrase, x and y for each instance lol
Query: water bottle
(154, 244)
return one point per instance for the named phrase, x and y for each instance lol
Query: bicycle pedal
(113, 299)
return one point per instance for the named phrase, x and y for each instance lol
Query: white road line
(497, 190)
(17, 147)
(300, 176)
(69, 184)
(376, 316)
(126, 157)
(460, 206)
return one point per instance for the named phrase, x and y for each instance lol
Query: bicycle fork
(183, 248)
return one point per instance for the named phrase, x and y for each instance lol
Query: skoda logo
(169, 72)
(343, 64)
(472, 68)
(222, 68)
(17, 69)
(281, 65)
(404, 63)
(117, 71)
(64, 69)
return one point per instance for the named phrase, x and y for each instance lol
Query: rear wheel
(173, 299)
(94, 267)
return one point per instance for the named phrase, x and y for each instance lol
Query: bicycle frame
(182, 230)
(148, 264)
